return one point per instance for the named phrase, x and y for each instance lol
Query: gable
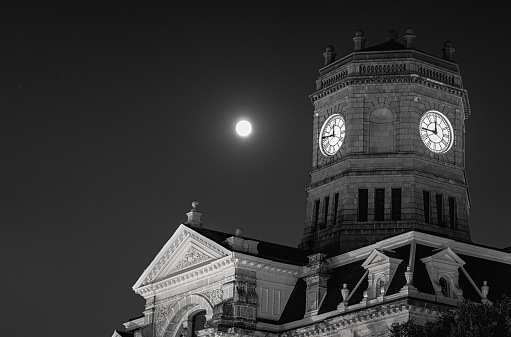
(376, 258)
(444, 257)
(186, 249)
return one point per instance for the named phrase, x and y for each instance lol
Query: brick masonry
(383, 149)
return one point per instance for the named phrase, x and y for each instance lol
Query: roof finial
(329, 55)
(409, 38)
(448, 51)
(359, 40)
(194, 216)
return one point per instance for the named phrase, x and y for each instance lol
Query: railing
(436, 75)
(382, 68)
(334, 78)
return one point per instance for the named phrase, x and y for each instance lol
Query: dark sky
(114, 118)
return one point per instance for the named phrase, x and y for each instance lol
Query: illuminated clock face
(332, 135)
(436, 132)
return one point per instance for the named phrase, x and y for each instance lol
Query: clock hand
(435, 126)
(429, 130)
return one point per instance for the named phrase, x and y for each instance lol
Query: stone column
(316, 277)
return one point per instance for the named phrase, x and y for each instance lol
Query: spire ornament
(194, 216)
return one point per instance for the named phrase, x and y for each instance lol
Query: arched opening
(189, 316)
(198, 321)
(191, 324)
(445, 287)
(381, 131)
(380, 285)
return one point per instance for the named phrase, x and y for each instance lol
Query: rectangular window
(362, 204)
(440, 209)
(452, 213)
(316, 214)
(396, 204)
(379, 204)
(325, 213)
(336, 208)
(427, 211)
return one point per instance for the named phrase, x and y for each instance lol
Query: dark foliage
(469, 319)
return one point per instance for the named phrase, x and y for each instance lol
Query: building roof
(268, 250)
(479, 269)
(386, 46)
(349, 274)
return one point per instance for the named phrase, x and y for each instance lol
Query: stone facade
(382, 95)
(386, 234)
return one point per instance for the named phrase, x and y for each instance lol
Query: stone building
(386, 235)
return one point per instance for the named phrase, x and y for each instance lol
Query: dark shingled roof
(268, 250)
(387, 46)
(399, 280)
(480, 270)
(421, 279)
(350, 274)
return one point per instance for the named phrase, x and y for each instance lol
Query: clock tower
(388, 146)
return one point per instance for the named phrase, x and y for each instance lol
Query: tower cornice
(339, 81)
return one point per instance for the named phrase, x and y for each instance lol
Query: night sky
(113, 119)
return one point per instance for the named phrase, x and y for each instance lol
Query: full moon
(243, 128)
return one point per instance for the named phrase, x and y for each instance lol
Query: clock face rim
(340, 141)
(430, 134)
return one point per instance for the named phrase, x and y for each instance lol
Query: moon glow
(243, 128)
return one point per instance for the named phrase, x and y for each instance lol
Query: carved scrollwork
(215, 296)
(192, 256)
(161, 314)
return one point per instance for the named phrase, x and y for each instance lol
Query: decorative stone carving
(445, 264)
(215, 296)
(345, 292)
(408, 288)
(485, 289)
(161, 314)
(223, 310)
(381, 267)
(192, 256)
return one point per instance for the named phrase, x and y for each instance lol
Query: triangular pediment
(377, 257)
(186, 249)
(446, 256)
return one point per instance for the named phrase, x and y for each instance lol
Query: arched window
(381, 131)
(445, 286)
(380, 284)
